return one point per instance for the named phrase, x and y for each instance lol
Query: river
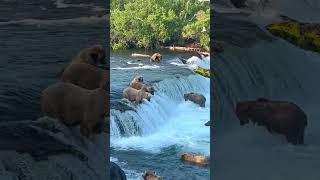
(151, 136)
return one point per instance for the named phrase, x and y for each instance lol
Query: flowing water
(37, 38)
(256, 64)
(152, 135)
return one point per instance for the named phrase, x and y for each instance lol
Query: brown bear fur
(86, 76)
(139, 85)
(137, 79)
(195, 159)
(196, 98)
(74, 105)
(282, 117)
(156, 57)
(136, 95)
(93, 55)
(149, 175)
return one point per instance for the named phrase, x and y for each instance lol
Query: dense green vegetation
(153, 23)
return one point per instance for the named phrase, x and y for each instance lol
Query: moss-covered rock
(304, 35)
(202, 72)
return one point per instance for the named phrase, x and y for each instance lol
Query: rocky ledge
(48, 150)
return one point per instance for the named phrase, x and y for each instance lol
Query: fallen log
(181, 48)
(140, 55)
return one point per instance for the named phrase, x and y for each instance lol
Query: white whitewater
(167, 120)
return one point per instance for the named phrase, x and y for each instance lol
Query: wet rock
(122, 105)
(47, 149)
(207, 123)
(303, 35)
(116, 173)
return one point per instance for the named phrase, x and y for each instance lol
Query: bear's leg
(301, 136)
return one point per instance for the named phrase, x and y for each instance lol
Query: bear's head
(186, 156)
(97, 54)
(188, 96)
(149, 175)
(148, 88)
(138, 79)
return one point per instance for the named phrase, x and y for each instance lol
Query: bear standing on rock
(136, 95)
(74, 105)
(196, 98)
(137, 83)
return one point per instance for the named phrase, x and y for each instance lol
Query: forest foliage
(154, 23)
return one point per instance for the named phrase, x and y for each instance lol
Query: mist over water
(255, 65)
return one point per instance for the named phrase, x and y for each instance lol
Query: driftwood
(181, 48)
(140, 55)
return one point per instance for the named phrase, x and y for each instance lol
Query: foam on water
(167, 120)
(137, 67)
(131, 62)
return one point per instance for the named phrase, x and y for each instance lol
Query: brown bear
(145, 87)
(156, 57)
(136, 95)
(196, 98)
(137, 79)
(201, 160)
(277, 116)
(149, 175)
(75, 105)
(86, 76)
(92, 55)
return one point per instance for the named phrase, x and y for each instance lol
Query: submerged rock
(303, 35)
(47, 149)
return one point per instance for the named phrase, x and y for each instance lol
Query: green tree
(152, 23)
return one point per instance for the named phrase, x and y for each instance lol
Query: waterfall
(149, 116)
